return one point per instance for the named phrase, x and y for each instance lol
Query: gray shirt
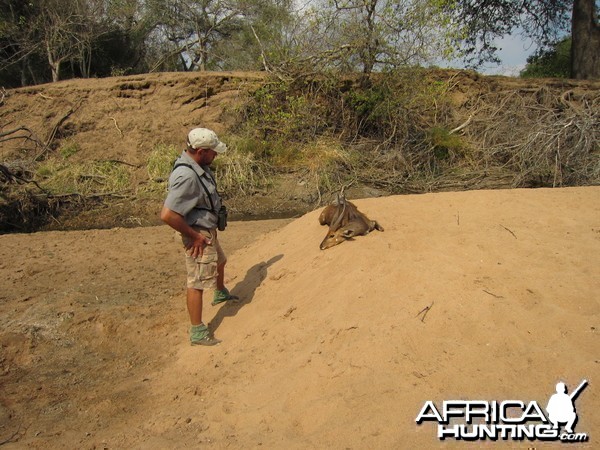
(187, 194)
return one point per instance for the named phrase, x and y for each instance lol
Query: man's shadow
(245, 290)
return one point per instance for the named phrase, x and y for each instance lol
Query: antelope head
(335, 234)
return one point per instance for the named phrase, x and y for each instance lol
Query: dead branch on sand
(424, 311)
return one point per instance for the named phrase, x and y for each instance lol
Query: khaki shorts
(202, 271)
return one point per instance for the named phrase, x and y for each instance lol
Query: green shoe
(223, 295)
(199, 335)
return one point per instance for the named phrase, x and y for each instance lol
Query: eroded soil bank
(119, 121)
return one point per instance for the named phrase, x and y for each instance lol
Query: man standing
(193, 208)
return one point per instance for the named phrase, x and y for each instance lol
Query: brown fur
(345, 221)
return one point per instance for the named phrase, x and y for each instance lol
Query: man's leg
(199, 333)
(194, 305)
(222, 294)
(221, 276)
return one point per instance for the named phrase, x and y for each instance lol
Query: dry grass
(240, 173)
(95, 177)
(160, 163)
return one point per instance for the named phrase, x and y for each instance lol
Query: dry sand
(327, 348)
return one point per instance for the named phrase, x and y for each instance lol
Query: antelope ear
(347, 234)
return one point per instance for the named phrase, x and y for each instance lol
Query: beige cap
(205, 138)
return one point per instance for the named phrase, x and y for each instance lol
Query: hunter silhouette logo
(561, 408)
(472, 420)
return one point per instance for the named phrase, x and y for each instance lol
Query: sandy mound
(328, 348)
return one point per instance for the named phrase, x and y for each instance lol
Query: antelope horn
(338, 220)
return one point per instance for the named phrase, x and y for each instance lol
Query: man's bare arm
(178, 223)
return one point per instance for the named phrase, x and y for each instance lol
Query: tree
(127, 45)
(194, 27)
(216, 34)
(385, 34)
(260, 40)
(585, 34)
(18, 49)
(42, 37)
(480, 22)
(555, 62)
(369, 35)
(59, 26)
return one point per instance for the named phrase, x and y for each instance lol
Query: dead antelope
(345, 221)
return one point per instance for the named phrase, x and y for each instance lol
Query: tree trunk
(585, 47)
(24, 65)
(85, 59)
(371, 47)
(53, 63)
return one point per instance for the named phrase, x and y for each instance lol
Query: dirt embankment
(120, 120)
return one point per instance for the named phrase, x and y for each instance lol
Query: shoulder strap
(212, 206)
